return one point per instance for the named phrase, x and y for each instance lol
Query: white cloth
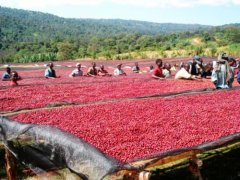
(183, 74)
(173, 68)
(219, 75)
(166, 73)
(118, 72)
(76, 72)
(231, 80)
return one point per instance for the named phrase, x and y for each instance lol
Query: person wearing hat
(118, 71)
(77, 71)
(221, 75)
(7, 75)
(102, 71)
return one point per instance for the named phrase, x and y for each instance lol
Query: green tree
(232, 34)
(64, 51)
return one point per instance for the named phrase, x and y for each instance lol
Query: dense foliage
(27, 36)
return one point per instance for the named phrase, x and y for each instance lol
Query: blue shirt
(220, 77)
(6, 76)
(50, 73)
(238, 77)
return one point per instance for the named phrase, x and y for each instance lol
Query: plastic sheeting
(45, 148)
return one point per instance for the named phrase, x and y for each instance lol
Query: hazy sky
(209, 12)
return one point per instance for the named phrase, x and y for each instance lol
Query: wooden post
(194, 167)
(144, 175)
(10, 163)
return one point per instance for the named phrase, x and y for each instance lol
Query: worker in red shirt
(158, 73)
(14, 78)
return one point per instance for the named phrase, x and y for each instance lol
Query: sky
(207, 12)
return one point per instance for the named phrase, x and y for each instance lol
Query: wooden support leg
(10, 165)
(144, 175)
(194, 167)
